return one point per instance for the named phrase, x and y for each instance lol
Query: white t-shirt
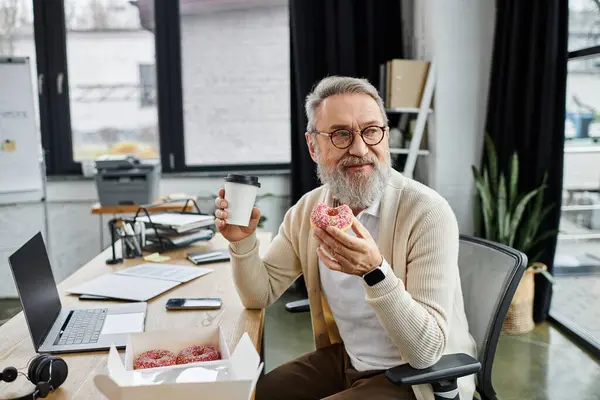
(365, 340)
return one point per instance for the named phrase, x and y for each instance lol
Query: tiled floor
(540, 365)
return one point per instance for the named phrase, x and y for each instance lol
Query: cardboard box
(233, 377)
(407, 80)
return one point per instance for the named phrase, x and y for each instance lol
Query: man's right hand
(233, 233)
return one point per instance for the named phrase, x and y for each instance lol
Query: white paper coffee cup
(240, 193)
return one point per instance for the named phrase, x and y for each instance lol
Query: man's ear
(311, 142)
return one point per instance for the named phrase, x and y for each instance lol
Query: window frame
(50, 49)
(586, 52)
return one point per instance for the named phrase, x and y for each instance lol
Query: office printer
(127, 180)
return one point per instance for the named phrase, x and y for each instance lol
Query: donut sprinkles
(153, 359)
(323, 216)
(198, 354)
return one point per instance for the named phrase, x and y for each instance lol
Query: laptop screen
(36, 286)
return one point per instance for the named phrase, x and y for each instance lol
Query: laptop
(56, 329)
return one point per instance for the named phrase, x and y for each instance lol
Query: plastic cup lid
(244, 179)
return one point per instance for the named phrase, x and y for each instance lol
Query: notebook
(139, 283)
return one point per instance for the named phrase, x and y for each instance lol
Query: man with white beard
(383, 293)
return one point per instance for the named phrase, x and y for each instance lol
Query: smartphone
(194, 304)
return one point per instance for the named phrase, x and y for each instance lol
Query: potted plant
(513, 219)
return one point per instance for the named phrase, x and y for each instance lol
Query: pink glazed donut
(198, 353)
(153, 359)
(323, 216)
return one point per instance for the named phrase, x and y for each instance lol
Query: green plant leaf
(502, 198)
(483, 190)
(486, 211)
(489, 225)
(535, 221)
(476, 174)
(490, 191)
(486, 177)
(545, 212)
(477, 216)
(518, 214)
(541, 238)
(514, 181)
(492, 161)
(507, 226)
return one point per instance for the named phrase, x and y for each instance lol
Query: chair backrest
(489, 273)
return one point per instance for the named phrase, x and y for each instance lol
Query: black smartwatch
(374, 276)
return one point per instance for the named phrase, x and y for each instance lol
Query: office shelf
(423, 112)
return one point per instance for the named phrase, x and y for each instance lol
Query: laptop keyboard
(84, 327)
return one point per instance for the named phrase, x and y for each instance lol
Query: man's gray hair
(333, 85)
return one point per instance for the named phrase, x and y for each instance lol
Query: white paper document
(124, 287)
(123, 323)
(140, 283)
(169, 272)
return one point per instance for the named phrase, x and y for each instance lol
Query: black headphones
(46, 372)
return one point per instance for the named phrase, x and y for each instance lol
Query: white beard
(361, 189)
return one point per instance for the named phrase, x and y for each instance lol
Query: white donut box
(232, 377)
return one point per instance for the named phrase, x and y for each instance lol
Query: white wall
(458, 35)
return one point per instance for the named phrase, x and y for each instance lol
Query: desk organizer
(157, 237)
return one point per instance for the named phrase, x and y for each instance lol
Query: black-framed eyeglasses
(343, 138)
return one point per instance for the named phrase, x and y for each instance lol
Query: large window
(235, 71)
(584, 24)
(112, 89)
(575, 301)
(202, 85)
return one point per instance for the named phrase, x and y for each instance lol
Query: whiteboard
(21, 177)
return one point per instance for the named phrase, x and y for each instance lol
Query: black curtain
(334, 37)
(526, 109)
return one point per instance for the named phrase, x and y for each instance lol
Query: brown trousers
(327, 374)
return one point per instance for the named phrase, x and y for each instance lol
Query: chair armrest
(450, 366)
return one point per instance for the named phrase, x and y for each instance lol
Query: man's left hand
(353, 255)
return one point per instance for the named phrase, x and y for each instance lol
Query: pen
(122, 233)
(131, 233)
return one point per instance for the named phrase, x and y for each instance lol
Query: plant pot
(519, 318)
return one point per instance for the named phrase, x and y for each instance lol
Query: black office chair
(489, 273)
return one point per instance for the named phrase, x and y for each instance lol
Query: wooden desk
(101, 210)
(16, 347)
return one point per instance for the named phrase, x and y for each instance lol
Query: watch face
(374, 277)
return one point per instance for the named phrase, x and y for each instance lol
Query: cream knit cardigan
(420, 305)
